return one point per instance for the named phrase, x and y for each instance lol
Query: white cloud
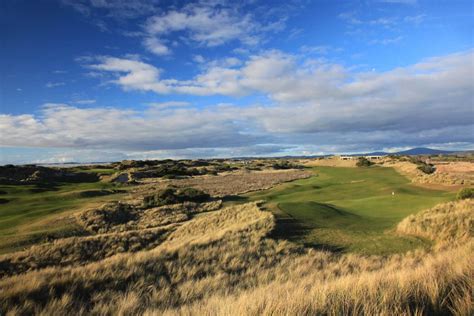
(64, 126)
(155, 46)
(207, 24)
(292, 79)
(416, 19)
(54, 84)
(311, 104)
(204, 23)
(199, 59)
(169, 104)
(84, 102)
(321, 49)
(138, 75)
(387, 41)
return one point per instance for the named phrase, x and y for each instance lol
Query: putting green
(349, 209)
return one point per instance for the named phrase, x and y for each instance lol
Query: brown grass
(452, 174)
(331, 162)
(455, 167)
(80, 250)
(233, 183)
(449, 222)
(223, 263)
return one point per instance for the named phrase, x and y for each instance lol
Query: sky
(98, 80)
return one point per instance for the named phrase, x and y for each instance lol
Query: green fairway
(28, 212)
(349, 209)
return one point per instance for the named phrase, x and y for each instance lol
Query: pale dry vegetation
(451, 222)
(223, 263)
(80, 250)
(453, 173)
(232, 183)
(331, 162)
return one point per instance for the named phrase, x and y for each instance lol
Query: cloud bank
(311, 106)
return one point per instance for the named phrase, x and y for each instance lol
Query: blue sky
(96, 80)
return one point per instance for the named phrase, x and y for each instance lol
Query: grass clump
(106, 217)
(465, 193)
(173, 195)
(364, 162)
(427, 168)
(448, 222)
(283, 165)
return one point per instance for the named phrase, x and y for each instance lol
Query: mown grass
(29, 214)
(99, 171)
(349, 209)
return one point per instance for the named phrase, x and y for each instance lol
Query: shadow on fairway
(294, 230)
(44, 187)
(235, 199)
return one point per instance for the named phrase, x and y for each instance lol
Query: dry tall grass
(444, 175)
(222, 263)
(237, 182)
(451, 222)
(331, 162)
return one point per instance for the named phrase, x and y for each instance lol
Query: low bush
(364, 162)
(466, 193)
(173, 196)
(285, 165)
(426, 168)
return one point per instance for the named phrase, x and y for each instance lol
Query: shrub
(285, 165)
(193, 195)
(173, 196)
(282, 165)
(364, 162)
(466, 193)
(426, 168)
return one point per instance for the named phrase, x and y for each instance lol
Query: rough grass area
(128, 257)
(222, 263)
(31, 214)
(241, 182)
(450, 222)
(349, 209)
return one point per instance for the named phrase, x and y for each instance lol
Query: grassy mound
(449, 222)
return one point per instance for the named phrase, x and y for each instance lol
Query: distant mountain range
(409, 152)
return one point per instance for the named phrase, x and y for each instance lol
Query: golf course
(30, 212)
(349, 209)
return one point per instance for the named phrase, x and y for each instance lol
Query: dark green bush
(282, 165)
(192, 195)
(364, 162)
(173, 196)
(466, 193)
(427, 168)
(285, 165)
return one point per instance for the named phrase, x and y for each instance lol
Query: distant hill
(424, 151)
(409, 152)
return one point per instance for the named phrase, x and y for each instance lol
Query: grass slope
(29, 213)
(349, 209)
